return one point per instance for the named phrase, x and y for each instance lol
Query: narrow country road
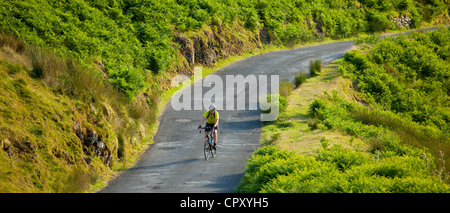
(175, 162)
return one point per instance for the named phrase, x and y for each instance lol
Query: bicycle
(208, 149)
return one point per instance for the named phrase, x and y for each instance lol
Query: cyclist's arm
(217, 119)
(203, 119)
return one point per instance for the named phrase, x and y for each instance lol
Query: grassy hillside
(54, 114)
(340, 134)
(78, 74)
(136, 40)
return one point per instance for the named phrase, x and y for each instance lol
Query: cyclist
(212, 121)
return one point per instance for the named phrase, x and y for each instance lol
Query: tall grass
(286, 88)
(66, 75)
(315, 67)
(10, 40)
(299, 79)
(437, 142)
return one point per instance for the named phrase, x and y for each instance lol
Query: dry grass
(53, 95)
(286, 88)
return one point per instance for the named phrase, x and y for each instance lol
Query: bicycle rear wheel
(213, 151)
(206, 148)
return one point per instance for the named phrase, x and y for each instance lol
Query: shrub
(310, 176)
(395, 167)
(300, 78)
(405, 75)
(336, 170)
(325, 142)
(129, 81)
(261, 157)
(341, 157)
(313, 123)
(378, 21)
(317, 109)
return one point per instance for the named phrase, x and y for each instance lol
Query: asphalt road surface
(175, 162)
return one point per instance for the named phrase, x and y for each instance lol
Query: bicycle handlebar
(200, 129)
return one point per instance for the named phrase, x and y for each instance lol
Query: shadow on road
(242, 125)
(223, 183)
(186, 161)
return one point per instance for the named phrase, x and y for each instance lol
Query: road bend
(175, 162)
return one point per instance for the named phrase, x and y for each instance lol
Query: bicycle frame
(209, 133)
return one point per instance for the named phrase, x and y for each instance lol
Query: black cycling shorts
(211, 125)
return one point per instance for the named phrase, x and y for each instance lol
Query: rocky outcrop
(216, 43)
(186, 48)
(402, 21)
(92, 144)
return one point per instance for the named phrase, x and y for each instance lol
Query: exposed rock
(210, 45)
(204, 52)
(186, 49)
(6, 146)
(63, 155)
(92, 143)
(402, 21)
(18, 144)
(264, 35)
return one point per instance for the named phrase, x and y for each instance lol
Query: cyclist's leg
(215, 136)
(208, 126)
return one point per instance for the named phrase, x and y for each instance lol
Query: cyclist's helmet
(212, 107)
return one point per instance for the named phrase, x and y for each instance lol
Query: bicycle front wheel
(206, 148)
(213, 150)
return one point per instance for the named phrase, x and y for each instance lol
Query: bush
(129, 81)
(342, 158)
(261, 157)
(300, 78)
(405, 75)
(317, 109)
(378, 21)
